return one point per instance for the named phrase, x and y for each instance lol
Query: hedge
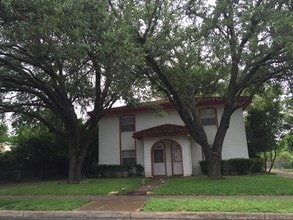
(237, 166)
(118, 170)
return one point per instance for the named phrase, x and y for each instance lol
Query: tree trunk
(215, 153)
(75, 168)
(77, 155)
(265, 161)
(273, 156)
(214, 165)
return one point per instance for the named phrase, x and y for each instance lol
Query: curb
(143, 215)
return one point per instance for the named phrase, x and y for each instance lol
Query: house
(159, 141)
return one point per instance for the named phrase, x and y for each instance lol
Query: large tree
(63, 63)
(193, 49)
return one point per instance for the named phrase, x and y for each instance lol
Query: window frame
(127, 127)
(208, 120)
(133, 156)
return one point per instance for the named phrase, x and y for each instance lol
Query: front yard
(230, 185)
(262, 194)
(93, 187)
(221, 205)
(41, 204)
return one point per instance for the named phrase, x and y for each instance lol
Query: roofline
(165, 104)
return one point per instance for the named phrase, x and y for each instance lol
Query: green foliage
(37, 144)
(41, 204)
(220, 205)
(230, 185)
(236, 166)
(34, 153)
(286, 143)
(240, 166)
(264, 121)
(3, 133)
(58, 59)
(118, 170)
(258, 165)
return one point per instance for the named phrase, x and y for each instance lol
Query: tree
(37, 144)
(63, 63)
(264, 124)
(192, 49)
(3, 135)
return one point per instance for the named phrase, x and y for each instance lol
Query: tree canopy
(193, 49)
(59, 57)
(63, 62)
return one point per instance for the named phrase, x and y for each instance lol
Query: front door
(177, 159)
(159, 167)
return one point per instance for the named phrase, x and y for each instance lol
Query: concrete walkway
(283, 173)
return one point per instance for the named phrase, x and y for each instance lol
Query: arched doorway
(166, 158)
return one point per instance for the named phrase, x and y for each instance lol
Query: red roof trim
(161, 130)
(165, 104)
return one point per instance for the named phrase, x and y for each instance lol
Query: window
(128, 157)
(127, 123)
(177, 157)
(159, 156)
(208, 117)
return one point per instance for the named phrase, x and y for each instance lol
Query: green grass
(233, 185)
(221, 205)
(97, 187)
(41, 204)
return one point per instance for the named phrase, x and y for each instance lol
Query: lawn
(41, 204)
(221, 205)
(96, 187)
(232, 185)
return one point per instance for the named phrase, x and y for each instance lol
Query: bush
(118, 170)
(258, 165)
(237, 166)
(139, 169)
(240, 166)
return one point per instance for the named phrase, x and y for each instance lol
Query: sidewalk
(283, 173)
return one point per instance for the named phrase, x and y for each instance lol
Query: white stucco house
(160, 142)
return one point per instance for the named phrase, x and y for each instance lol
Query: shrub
(139, 169)
(240, 166)
(258, 165)
(118, 170)
(237, 166)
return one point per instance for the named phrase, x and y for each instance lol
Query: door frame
(172, 144)
(163, 145)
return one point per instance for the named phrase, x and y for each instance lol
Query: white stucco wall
(140, 152)
(235, 143)
(109, 152)
(196, 157)
(150, 119)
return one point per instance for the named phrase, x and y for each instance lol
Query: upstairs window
(127, 123)
(208, 117)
